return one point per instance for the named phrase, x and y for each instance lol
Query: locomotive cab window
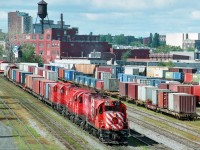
(101, 110)
(112, 108)
(81, 100)
(62, 91)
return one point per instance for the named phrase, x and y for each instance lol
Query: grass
(171, 129)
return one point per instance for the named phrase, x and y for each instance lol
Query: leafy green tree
(109, 38)
(126, 55)
(156, 40)
(119, 39)
(150, 40)
(103, 38)
(167, 49)
(28, 54)
(136, 43)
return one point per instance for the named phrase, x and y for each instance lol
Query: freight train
(106, 119)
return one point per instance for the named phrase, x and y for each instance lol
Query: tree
(167, 49)
(156, 40)
(126, 55)
(136, 43)
(103, 38)
(28, 54)
(109, 38)
(119, 39)
(150, 40)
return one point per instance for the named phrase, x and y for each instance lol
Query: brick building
(62, 43)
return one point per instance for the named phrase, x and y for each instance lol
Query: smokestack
(61, 23)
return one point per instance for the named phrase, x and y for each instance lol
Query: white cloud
(195, 15)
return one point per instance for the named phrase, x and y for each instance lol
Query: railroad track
(56, 128)
(176, 125)
(161, 131)
(10, 116)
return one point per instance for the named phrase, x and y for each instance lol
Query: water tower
(42, 12)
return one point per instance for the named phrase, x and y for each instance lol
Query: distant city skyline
(130, 17)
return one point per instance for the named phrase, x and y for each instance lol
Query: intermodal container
(70, 75)
(196, 78)
(87, 81)
(188, 78)
(120, 77)
(42, 84)
(123, 88)
(23, 76)
(182, 103)
(93, 82)
(177, 76)
(133, 91)
(82, 79)
(169, 75)
(175, 69)
(99, 84)
(163, 99)
(142, 92)
(155, 95)
(111, 84)
(77, 79)
(14, 74)
(31, 69)
(52, 89)
(196, 92)
(51, 75)
(144, 81)
(105, 75)
(149, 92)
(61, 72)
(29, 80)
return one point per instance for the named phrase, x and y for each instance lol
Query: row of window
(48, 45)
(53, 52)
(41, 37)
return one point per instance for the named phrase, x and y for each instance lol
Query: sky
(129, 17)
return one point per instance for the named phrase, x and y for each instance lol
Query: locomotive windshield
(112, 108)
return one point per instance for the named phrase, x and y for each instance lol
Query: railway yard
(27, 123)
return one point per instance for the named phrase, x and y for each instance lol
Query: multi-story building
(19, 23)
(62, 43)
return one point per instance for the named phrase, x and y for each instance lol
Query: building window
(41, 52)
(41, 44)
(53, 52)
(48, 37)
(41, 37)
(34, 44)
(48, 52)
(34, 37)
(72, 44)
(48, 45)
